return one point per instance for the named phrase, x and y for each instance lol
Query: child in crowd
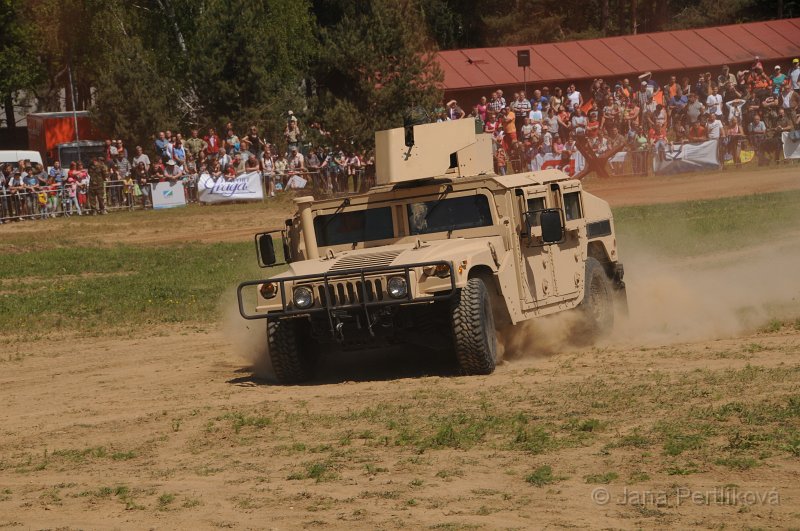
(128, 190)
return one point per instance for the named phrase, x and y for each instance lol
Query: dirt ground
(168, 428)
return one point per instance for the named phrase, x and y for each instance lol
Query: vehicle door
(568, 256)
(536, 261)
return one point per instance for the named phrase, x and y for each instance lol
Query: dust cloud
(248, 338)
(676, 300)
(708, 297)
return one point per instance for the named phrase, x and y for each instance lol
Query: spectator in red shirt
(213, 144)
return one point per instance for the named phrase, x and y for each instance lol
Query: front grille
(340, 293)
(365, 260)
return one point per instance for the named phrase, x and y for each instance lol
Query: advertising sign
(245, 187)
(168, 195)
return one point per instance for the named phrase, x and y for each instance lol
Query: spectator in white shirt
(714, 102)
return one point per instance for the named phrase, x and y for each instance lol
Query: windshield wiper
(339, 210)
(447, 190)
(331, 217)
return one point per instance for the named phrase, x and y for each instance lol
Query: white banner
(684, 158)
(245, 187)
(552, 161)
(791, 148)
(168, 195)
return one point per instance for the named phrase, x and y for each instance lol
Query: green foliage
(134, 94)
(247, 59)
(17, 59)
(373, 67)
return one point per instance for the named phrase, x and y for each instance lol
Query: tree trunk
(8, 103)
(780, 8)
(604, 17)
(634, 22)
(68, 99)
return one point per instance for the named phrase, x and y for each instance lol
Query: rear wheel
(290, 350)
(474, 333)
(597, 308)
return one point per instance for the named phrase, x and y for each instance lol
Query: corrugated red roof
(618, 56)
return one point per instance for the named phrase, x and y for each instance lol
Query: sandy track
(171, 399)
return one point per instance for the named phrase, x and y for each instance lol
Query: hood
(454, 249)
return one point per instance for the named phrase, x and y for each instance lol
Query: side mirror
(552, 228)
(266, 250)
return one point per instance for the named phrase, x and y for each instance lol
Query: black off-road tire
(474, 333)
(290, 351)
(597, 308)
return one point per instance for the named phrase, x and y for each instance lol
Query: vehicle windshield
(449, 214)
(354, 226)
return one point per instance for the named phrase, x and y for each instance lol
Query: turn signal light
(269, 290)
(439, 270)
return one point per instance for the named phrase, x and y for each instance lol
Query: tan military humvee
(441, 254)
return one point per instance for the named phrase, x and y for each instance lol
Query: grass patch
(709, 226)
(604, 479)
(319, 471)
(240, 420)
(737, 462)
(165, 500)
(541, 476)
(102, 287)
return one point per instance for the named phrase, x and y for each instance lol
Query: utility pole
(74, 108)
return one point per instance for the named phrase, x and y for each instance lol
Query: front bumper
(331, 298)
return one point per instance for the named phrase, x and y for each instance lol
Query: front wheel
(474, 334)
(597, 308)
(289, 351)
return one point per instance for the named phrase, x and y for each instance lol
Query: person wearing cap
(641, 95)
(98, 175)
(794, 74)
(778, 78)
(292, 133)
(172, 171)
(454, 112)
(726, 76)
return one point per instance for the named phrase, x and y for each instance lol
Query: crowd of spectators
(30, 191)
(299, 165)
(748, 108)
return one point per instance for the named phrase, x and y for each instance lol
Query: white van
(13, 156)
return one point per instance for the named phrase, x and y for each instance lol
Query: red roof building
(475, 71)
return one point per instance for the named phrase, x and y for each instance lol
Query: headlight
(397, 287)
(269, 290)
(303, 297)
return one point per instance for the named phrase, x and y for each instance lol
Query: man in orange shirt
(509, 127)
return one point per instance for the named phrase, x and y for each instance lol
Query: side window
(535, 205)
(572, 205)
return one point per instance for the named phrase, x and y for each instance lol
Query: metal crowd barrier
(46, 203)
